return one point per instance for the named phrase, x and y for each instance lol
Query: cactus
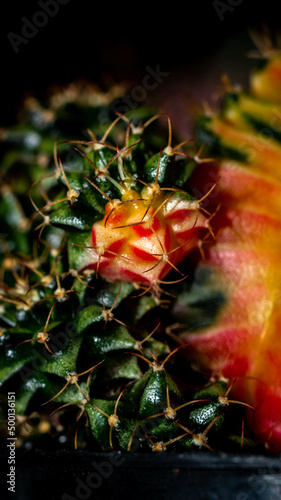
(99, 233)
(241, 340)
(136, 315)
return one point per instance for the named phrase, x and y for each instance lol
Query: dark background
(115, 42)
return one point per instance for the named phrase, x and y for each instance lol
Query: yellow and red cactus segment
(266, 82)
(142, 240)
(244, 340)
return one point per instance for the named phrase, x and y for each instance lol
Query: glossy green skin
(162, 406)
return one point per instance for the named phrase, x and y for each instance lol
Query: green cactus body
(98, 235)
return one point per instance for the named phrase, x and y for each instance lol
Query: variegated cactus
(242, 338)
(134, 314)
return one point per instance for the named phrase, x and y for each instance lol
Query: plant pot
(83, 475)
